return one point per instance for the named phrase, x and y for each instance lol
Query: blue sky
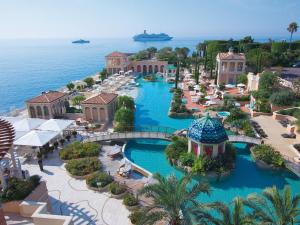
(124, 18)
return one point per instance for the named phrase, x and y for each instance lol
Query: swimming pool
(223, 114)
(152, 107)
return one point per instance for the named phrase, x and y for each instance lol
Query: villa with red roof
(48, 105)
(118, 61)
(229, 66)
(100, 108)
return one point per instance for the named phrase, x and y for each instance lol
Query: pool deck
(274, 130)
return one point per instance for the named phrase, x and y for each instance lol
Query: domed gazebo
(207, 136)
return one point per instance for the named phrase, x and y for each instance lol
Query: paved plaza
(71, 197)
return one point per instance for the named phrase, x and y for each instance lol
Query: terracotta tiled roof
(47, 97)
(116, 54)
(103, 99)
(231, 56)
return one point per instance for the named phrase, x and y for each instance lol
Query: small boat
(80, 41)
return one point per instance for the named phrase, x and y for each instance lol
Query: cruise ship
(80, 41)
(145, 37)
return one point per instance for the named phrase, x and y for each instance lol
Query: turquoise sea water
(152, 106)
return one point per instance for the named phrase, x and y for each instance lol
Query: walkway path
(71, 197)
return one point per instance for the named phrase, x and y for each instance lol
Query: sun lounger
(116, 150)
(125, 169)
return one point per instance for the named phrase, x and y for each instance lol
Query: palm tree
(275, 207)
(181, 55)
(236, 216)
(173, 200)
(292, 28)
(195, 61)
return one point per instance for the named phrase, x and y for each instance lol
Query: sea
(31, 66)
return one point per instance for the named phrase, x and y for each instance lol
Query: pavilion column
(215, 151)
(189, 146)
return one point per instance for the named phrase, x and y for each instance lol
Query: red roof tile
(102, 99)
(47, 97)
(116, 54)
(231, 56)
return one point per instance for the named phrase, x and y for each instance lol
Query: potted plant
(130, 201)
(68, 137)
(55, 144)
(135, 217)
(74, 133)
(62, 141)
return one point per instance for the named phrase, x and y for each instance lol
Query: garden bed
(78, 150)
(99, 181)
(266, 157)
(80, 168)
(117, 190)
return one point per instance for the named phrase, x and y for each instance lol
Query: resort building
(229, 66)
(100, 108)
(48, 105)
(118, 61)
(207, 136)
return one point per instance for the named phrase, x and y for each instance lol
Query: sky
(125, 18)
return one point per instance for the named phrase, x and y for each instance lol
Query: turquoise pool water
(223, 114)
(152, 107)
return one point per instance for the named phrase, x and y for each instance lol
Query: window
(231, 66)
(39, 110)
(46, 111)
(240, 66)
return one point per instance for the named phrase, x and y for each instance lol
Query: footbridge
(162, 133)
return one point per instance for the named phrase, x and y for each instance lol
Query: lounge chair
(125, 169)
(115, 151)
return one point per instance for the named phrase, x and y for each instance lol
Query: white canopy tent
(55, 125)
(28, 124)
(36, 138)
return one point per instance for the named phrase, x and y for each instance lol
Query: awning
(55, 125)
(28, 124)
(36, 138)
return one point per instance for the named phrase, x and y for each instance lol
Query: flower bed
(117, 190)
(268, 155)
(79, 150)
(130, 201)
(19, 189)
(99, 181)
(83, 167)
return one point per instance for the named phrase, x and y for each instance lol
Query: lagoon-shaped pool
(152, 106)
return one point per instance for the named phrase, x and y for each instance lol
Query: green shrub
(267, 154)
(19, 189)
(99, 179)
(79, 150)
(176, 147)
(187, 159)
(83, 166)
(130, 200)
(116, 188)
(135, 216)
(283, 98)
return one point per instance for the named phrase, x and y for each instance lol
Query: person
(40, 161)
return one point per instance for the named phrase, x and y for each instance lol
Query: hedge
(79, 150)
(84, 166)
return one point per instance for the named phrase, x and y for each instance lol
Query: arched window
(155, 68)
(39, 111)
(162, 68)
(144, 69)
(32, 112)
(150, 70)
(46, 111)
(139, 69)
(88, 114)
(94, 114)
